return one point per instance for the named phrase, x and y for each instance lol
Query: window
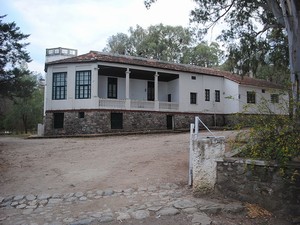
(59, 88)
(207, 95)
(251, 97)
(64, 51)
(83, 85)
(193, 98)
(81, 115)
(217, 96)
(58, 120)
(193, 77)
(112, 87)
(274, 98)
(263, 90)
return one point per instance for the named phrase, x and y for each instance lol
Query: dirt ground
(73, 164)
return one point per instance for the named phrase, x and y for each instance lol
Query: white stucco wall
(173, 89)
(70, 102)
(263, 101)
(202, 82)
(231, 96)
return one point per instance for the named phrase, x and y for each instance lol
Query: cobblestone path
(111, 206)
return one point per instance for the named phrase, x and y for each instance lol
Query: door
(116, 120)
(169, 122)
(150, 91)
(169, 98)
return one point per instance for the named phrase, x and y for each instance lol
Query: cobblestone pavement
(100, 206)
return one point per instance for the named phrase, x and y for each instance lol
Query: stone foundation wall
(260, 183)
(99, 121)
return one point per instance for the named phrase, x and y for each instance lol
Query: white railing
(108, 103)
(105, 103)
(138, 104)
(168, 106)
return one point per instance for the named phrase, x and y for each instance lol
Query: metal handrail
(197, 120)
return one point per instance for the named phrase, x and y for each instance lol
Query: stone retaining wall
(99, 121)
(260, 183)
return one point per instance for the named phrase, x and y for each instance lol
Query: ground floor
(102, 179)
(76, 122)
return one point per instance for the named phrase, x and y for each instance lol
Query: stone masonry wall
(99, 121)
(256, 182)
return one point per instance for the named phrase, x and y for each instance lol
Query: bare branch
(227, 10)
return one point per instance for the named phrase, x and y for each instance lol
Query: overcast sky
(86, 25)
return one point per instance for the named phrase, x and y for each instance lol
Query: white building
(99, 92)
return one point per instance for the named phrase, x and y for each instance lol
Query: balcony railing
(105, 103)
(137, 105)
(165, 106)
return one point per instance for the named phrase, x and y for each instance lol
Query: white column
(95, 85)
(127, 83)
(156, 86)
(156, 103)
(127, 101)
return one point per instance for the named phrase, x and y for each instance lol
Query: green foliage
(269, 136)
(168, 43)
(203, 55)
(25, 113)
(12, 55)
(21, 105)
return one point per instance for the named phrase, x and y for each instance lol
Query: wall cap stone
(256, 162)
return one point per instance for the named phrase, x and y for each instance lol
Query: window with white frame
(59, 86)
(83, 84)
(193, 98)
(217, 95)
(207, 95)
(251, 97)
(274, 98)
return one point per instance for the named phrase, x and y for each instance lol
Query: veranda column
(156, 102)
(127, 101)
(95, 85)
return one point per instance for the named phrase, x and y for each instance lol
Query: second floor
(113, 85)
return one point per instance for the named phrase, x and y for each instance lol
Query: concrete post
(127, 83)
(127, 87)
(205, 153)
(156, 103)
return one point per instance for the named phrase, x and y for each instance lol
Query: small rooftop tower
(53, 54)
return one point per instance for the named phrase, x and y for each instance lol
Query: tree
(244, 17)
(157, 42)
(12, 55)
(261, 58)
(168, 43)
(118, 43)
(27, 111)
(203, 55)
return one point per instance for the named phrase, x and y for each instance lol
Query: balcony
(129, 104)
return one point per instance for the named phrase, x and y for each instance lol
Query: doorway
(170, 122)
(116, 120)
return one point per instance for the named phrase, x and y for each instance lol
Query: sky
(86, 25)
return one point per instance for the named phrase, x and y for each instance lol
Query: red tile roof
(94, 56)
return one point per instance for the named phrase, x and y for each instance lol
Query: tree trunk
(24, 119)
(290, 11)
